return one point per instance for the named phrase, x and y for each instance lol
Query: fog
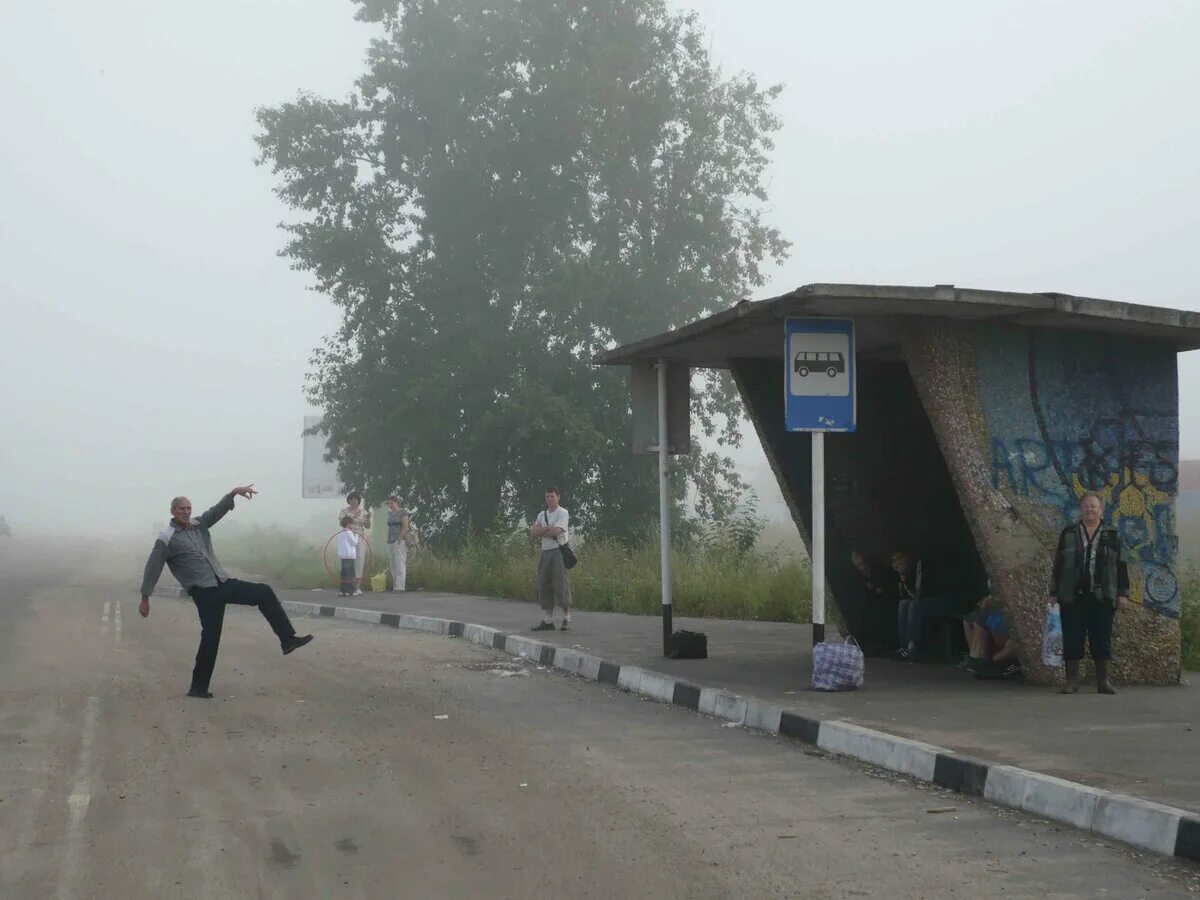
(154, 344)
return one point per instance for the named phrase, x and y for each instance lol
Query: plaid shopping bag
(837, 667)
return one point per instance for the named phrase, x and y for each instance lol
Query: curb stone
(1132, 820)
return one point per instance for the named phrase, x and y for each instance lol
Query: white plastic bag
(1052, 638)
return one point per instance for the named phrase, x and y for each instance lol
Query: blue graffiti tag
(1025, 467)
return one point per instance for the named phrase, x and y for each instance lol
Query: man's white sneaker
(357, 593)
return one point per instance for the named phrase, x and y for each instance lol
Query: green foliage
(275, 555)
(1189, 619)
(613, 577)
(736, 534)
(719, 581)
(510, 189)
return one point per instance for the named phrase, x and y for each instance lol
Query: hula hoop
(337, 576)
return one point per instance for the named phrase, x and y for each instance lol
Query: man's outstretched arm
(154, 567)
(211, 517)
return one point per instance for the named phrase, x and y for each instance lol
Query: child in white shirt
(347, 553)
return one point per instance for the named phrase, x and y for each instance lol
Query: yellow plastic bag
(379, 582)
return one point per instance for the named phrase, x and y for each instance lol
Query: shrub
(275, 555)
(1189, 619)
(713, 577)
(709, 580)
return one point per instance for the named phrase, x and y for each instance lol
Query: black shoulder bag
(570, 560)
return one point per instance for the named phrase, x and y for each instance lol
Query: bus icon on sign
(832, 363)
(822, 348)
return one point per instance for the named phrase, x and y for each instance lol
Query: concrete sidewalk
(1142, 742)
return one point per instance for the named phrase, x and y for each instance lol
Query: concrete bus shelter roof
(754, 329)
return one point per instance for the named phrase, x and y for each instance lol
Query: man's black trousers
(1087, 618)
(210, 604)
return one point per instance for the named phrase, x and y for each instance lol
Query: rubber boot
(1071, 683)
(1103, 685)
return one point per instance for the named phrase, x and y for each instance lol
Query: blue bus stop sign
(820, 375)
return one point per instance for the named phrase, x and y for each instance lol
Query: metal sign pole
(818, 537)
(820, 386)
(664, 503)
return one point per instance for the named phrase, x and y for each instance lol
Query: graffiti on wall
(1069, 414)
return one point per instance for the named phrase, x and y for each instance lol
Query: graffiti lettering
(1138, 479)
(1022, 463)
(1067, 413)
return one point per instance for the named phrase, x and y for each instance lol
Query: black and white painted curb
(1153, 826)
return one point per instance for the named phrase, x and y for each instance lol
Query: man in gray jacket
(185, 547)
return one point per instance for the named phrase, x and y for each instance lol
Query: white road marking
(104, 618)
(77, 805)
(117, 623)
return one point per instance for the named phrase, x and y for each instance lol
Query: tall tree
(512, 187)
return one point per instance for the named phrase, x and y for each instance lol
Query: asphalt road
(331, 773)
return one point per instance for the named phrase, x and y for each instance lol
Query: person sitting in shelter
(991, 651)
(877, 618)
(916, 601)
(975, 624)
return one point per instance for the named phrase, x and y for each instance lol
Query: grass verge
(710, 581)
(1189, 620)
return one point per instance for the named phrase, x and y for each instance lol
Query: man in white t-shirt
(550, 527)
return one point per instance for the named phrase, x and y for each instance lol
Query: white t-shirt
(347, 544)
(557, 519)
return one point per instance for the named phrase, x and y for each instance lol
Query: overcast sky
(154, 344)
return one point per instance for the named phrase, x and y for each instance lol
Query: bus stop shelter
(982, 417)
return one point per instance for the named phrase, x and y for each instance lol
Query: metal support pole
(818, 536)
(664, 503)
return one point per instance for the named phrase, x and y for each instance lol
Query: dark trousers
(1086, 619)
(911, 615)
(210, 604)
(875, 622)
